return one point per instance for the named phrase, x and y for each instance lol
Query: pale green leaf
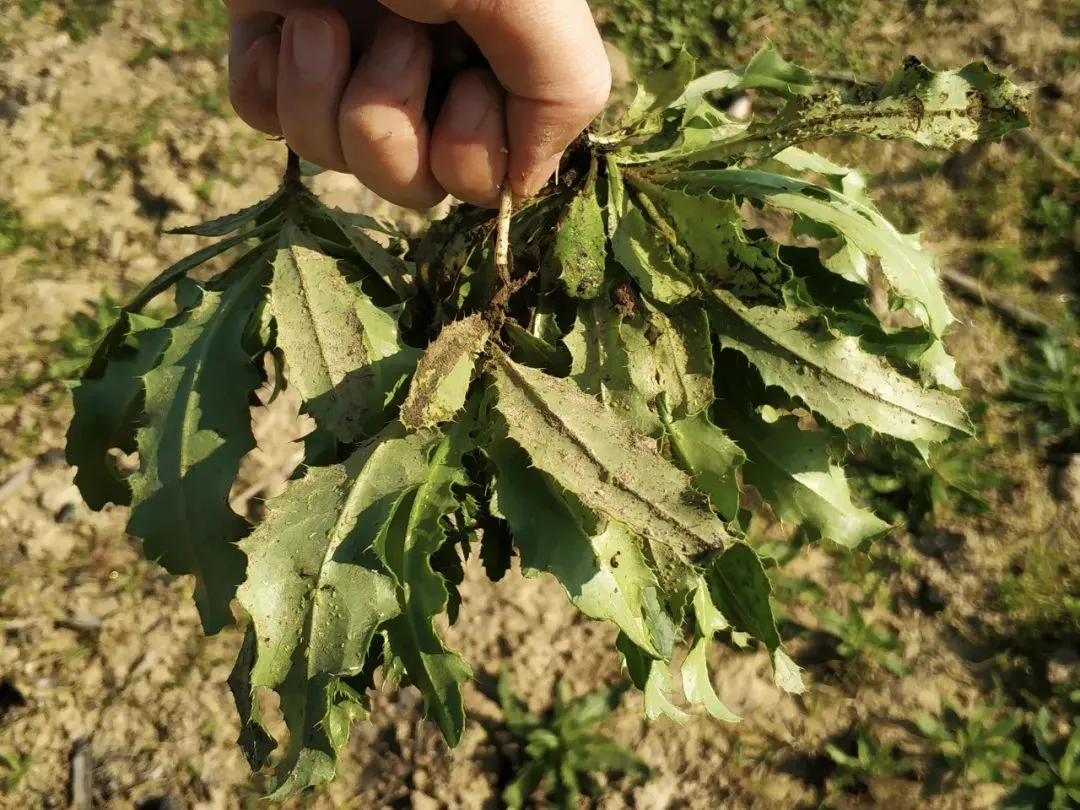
(908, 269)
(791, 469)
(658, 687)
(766, 69)
(834, 377)
(445, 371)
(697, 686)
(596, 454)
(603, 573)
(660, 90)
(197, 429)
(344, 354)
(650, 258)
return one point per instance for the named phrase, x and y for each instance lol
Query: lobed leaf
(834, 376)
(595, 454)
(709, 456)
(791, 469)
(579, 250)
(229, 223)
(344, 354)
(197, 428)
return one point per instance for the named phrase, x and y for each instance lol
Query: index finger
(549, 57)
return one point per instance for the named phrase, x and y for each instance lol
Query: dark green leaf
(235, 221)
(197, 429)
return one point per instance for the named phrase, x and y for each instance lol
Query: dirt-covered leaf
(934, 109)
(602, 569)
(594, 453)
(107, 412)
(330, 592)
(406, 549)
(579, 252)
(651, 258)
(443, 374)
(197, 428)
(740, 589)
(908, 269)
(222, 226)
(344, 354)
(833, 376)
(710, 457)
(792, 470)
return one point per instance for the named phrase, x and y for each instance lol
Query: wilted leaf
(344, 354)
(197, 428)
(595, 454)
(834, 376)
(445, 370)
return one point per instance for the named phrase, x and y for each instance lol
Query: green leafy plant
(1053, 782)
(1050, 383)
(561, 753)
(17, 767)
(978, 748)
(860, 640)
(587, 379)
(869, 760)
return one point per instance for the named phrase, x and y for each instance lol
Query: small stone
(421, 801)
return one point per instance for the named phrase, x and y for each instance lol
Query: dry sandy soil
(105, 678)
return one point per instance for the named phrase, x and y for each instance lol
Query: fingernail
(468, 110)
(539, 176)
(391, 52)
(312, 48)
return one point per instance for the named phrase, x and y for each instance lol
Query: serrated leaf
(697, 686)
(908, 269)
(791, 469)
(197, 429)
(650, 259)
(330, 592)
(711, 458)
(740, 589)
(603, 572)
(767, 69)
(933, 109)
(394, 272)
(235, 221)
(653, 678)
(596, 455)
(660, 89)
(579, 251)
(344, 354)
(406, 551)
(254, 740)
(834, 377)
(712, 231)
(107, 413)
(171, 275)
(443, 374)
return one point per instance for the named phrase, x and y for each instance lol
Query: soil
(107, 136)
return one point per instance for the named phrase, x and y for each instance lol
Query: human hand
(345, 81)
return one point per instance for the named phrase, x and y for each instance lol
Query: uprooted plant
(589, 380)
